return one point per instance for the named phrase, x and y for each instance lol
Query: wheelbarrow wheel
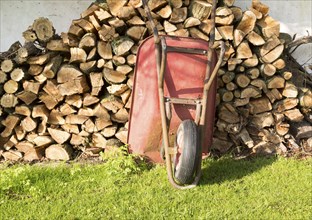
(187, 158)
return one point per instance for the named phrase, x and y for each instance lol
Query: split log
(58, 152)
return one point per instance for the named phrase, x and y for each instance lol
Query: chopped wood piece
(66, 109)
(285, 104)
(154, 5)
(112, 103)
(26, 96)
(43, 28)
(22, 110)
(31, 86)
(301, 130)
(294, 115)
(124, 69)
(226, 32)
(250, 92)
(126, 13)
(59, 136)
(51, 89)
(226, 96)
(259, 83)
(255, 39)
(104, 50)
(131, 59)
(273, 95)
(115, 6)
(87, 42)
(287, 75)
(68, 73)
(117, 89)
(137, 33)
(206, 26)
(17, 74)
(243, 135)
(56, 118)
(29, 36)
(52, 67)
(102, 15)
(119, 60)
(86, 112)
(49, 101)
(165, 12)
(260, 105)
(77, 86)
(77, 55)
(12, 155)
(41, 59)
(118, 24)
(122, 135)
(72, 129)
(107, 33)
(84, 24)
(88, 100)
(3, 77)
(290, 90)
(276, 82)
(305, 99)
(262, 8)
(35, 69)
(243, 51)
(10, 86)
(98, 140)
(77, 140)
(242, 80)
(24, 146)
(253, 73)
(59, 152)
(279, 64)
(178, 15)
(169, 27)
(121, 45)
(113, 77)
(262, 120)
(74, 100)
(8, 101)
(247, 23)
(57, 45)
(28, 124)
(269, 27)
(229, 113)
(76, 119)
(268, 70)
(90, 10)
(282, 128)
(10, 143)
(7, 65)
(136, 20)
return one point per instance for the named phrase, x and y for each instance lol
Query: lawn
(262, 188)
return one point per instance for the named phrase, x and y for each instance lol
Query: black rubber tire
(186, 162)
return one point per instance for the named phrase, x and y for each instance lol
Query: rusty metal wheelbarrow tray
(184, 78)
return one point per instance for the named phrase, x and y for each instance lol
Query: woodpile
(70, 94)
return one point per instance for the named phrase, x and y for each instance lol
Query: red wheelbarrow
(173, 102)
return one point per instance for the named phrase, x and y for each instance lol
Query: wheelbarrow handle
(150, 18)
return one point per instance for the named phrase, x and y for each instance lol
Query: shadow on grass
(229, 169)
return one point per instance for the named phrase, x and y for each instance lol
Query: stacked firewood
(63, 95)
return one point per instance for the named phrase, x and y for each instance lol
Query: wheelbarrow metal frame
(165, 102)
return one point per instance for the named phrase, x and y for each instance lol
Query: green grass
(274, 188)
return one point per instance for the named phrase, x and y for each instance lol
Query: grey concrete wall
(16, 15)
